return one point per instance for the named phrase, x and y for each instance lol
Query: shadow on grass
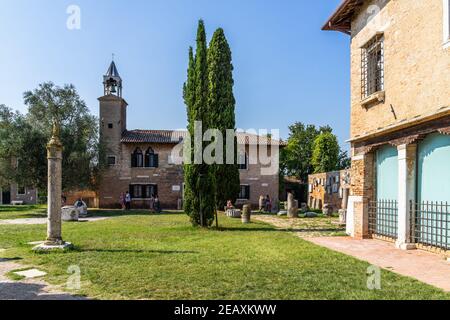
(280, 230)
(9, 208)
(135, 251)
(10, 259)
(122, 213)
(31, 291)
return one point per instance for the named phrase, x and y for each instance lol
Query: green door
(433, 191)
(387, 191)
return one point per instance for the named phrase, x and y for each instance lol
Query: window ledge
(446, 45)
(376, 97)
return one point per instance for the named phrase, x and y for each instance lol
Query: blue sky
(286, 68)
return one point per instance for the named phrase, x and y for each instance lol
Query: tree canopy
(221, 104)
(24, 137)
(297, 157)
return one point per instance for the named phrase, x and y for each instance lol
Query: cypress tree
(199, 201)
(221, 103)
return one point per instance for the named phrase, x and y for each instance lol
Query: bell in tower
(112, 81)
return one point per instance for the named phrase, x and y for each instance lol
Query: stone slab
(32, 273)
(49, 248)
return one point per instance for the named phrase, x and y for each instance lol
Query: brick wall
(416, 63)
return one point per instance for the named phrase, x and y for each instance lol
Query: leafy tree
(345, 162)
(326, 152)
(199, 178)
(221, 103)
(295, 158)
(24, 137)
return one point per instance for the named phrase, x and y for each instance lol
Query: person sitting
(230, 205)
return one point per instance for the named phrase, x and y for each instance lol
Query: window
(137, 159)
(151, 159)
(111, 160)
(110, 125)
(446, 7)
(143, 191)
(372, 66)
(136, 191)
(243, 161)
(244, 193)
(21, 191)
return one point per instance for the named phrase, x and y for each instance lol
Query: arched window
(151, 159)
(137, 159)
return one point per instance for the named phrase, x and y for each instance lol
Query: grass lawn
(22, 212)
(142, 256)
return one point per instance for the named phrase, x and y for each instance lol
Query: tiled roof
(176, 136)
(341, 19)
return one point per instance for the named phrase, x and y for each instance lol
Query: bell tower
(113, 113)
(112, 82)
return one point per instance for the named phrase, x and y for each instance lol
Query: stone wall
(327, 188)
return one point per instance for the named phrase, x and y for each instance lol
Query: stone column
(54, 157)
(362, 192)
(406, 193)
(54, 239)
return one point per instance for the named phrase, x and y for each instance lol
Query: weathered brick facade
(413, 99)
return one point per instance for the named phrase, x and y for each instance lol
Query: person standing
(152, 203)
(157, 205)
(127, 201)
(268, 204)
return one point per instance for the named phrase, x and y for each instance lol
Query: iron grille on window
(372, 66)
(431, 224)
(383, 218)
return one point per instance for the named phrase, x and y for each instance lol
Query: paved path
(305, 227)
(424, 266)
(28, 289)
(31, 221)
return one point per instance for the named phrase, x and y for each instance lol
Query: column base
(53, 246)
(406, 246)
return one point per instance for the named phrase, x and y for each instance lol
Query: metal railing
(383, 218)
(431, 224)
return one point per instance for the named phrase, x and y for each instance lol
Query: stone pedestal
(246, 214)
(70, 213)
(292, 206)
(327, 209)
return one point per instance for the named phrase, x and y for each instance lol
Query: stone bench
(17, 203)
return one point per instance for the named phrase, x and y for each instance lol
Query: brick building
(18, 194)
(142, 161)
(400, 119)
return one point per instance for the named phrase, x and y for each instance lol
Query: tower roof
(112, 71)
